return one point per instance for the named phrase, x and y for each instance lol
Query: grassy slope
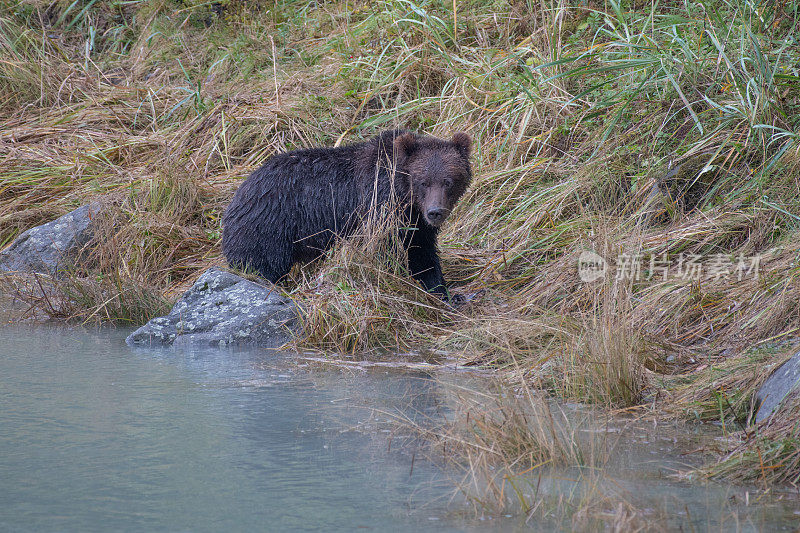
(578, 113)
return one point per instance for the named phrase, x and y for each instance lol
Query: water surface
(97, 436)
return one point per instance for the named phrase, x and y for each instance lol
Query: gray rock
(221, 309)
(777, 386)
(47, 248)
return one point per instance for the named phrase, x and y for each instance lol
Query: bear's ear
(463, 143)
(405, 144)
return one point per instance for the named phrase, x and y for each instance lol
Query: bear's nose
(436, 216)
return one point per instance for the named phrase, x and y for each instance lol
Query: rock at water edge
(777, 386)
(221, 309)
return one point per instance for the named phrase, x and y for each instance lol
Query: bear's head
(439, 172)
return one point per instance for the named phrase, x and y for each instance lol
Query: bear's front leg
(423, 261)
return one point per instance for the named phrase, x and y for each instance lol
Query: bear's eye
(448, 183)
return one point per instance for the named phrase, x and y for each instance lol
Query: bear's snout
(436, 216)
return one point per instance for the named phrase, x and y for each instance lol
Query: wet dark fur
(295, 206)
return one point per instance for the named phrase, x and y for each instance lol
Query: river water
(97, 436)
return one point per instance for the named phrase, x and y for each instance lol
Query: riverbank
(655, 146)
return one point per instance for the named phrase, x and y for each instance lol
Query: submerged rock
(777, 387)
(221, 309)
(47, 248)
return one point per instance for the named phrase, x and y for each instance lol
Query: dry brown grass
(361, 297)
(767, 454)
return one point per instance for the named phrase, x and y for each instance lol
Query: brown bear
(295, 206)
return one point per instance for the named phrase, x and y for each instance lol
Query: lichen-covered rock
(777, 386)
(221, 309)
(47, 248)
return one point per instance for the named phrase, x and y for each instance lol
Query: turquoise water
(97, 436)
